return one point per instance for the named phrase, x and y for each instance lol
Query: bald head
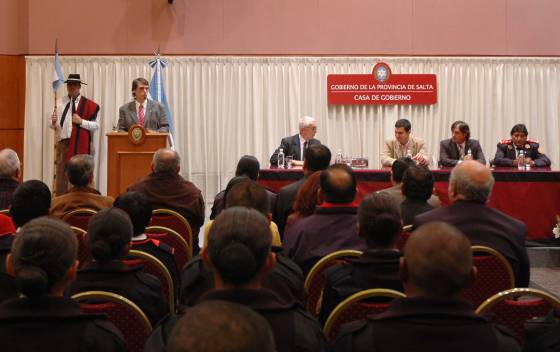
(166, 160)
(338, 184)
(472, 181)
(437, 261)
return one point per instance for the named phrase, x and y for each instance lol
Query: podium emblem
(136, 134)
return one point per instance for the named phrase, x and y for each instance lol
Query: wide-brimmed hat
(74, 78)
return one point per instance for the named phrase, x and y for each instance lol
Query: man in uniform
(508, 150)
(78, 119)
(404, 143)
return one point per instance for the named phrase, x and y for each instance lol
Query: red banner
(382, 87)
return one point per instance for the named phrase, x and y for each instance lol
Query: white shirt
(145, 105)
(66, 130)
(301, 146)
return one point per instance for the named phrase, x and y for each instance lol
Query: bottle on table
(281, 158)
(469, 154)
(339, 159)
(521, 160)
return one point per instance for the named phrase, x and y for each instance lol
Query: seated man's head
(338, 184)
(460, 132)
(139, 210)
(248, 193)
(307, 127)
(379, 220)
(216, 326)
(317, 158)
(109, 234)
(437, 262)
(519, 135)
(402, 130)
(32, 199)
(79, 170)
(470, 181)
(43, 257)
(166, 161)
(418, 183)
(398, 168)
(248, 166)
(239, 248)
(9, 164)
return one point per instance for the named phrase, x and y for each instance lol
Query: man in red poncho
(74, 119)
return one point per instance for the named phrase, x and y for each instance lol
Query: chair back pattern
(183, 252)
(79, 217)
(174, 221)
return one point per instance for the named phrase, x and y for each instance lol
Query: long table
(530, 196)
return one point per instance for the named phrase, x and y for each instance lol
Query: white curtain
(225, 107)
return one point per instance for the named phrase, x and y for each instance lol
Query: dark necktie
(304, 149)
(73, 105)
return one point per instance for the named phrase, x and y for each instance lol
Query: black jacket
(449, 152)
(291, 147)
(505, 153)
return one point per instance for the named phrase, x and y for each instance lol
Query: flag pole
(55, 165)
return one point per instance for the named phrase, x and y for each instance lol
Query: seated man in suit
(333, 227)
(460, 146)
(470, 185)
(296, 145)
(403, 145)
(79, 171)
(142, 111)
(436, 267)
(508, 150)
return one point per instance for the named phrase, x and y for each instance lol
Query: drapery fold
(225, 107)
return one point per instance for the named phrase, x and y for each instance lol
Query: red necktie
(141, 115)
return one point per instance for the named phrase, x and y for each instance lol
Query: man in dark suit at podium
(142, 111)
(456, 149)
(296, 145)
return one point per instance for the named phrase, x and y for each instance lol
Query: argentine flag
(157, 92)
(58, 75)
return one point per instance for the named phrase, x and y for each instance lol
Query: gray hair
(471, 191)
(9, 163)
(306, 121)
(166, 160)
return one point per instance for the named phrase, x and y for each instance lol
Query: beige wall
(290, 27)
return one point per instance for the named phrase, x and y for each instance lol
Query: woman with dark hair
(43, 262)
(109, 235)
(239, 254)
(379, 225)
(306, 199)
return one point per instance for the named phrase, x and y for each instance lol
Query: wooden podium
(129, 156)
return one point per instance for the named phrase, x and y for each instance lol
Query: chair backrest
(494, 274)
(183, 253)
(315, 280)
(175, 221)
(357, 307)
(84, 254)
(79, 217)
(126, 315)
(505, 309)
(155, 267)
(403, 237)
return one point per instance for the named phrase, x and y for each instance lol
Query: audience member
(79, 171)
(165, 188)
(217, 326)
(398, 169)
(417, 188)
(470, 185)
(306, 199)
(239, 254)
(247, 166)
(10, 171)
(333, 225)
(285, 279)
(139, 209)
(379, 225)
(317, 158)
(436, 267)
(109, 234)
(43, 261)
